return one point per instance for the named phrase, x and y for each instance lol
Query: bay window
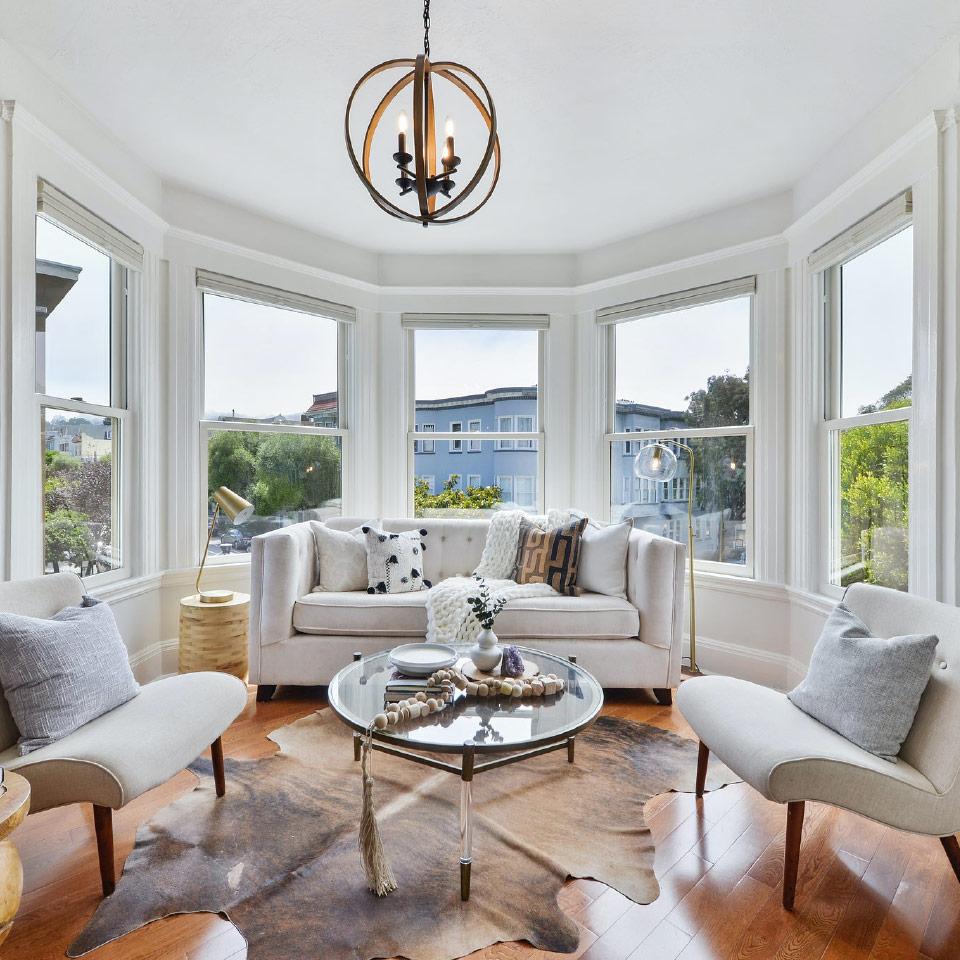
(482, 376)
(273, 427)
(86, 272)
(679, 373)
(865, 279)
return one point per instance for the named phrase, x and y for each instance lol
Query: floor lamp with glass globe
(658, 462)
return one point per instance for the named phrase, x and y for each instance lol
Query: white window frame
(654, 308)
(459, 484)
(412, 322)
(456, 445)
(474, 446)
(526, 444)
(269, 296)
(826, 263)
(430, 481)
(533, 486)
(126, 264)
(474, 476)
(503, 481)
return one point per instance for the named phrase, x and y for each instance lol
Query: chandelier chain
(426, 28)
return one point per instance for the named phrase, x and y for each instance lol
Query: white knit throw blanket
(449, 617)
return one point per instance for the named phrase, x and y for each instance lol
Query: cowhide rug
(278, 855)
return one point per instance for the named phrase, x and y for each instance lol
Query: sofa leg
(702, 757)
(216, 754)
(952, 847)
(791, 853)
(103, 825)
(664, 696)
(265, 692)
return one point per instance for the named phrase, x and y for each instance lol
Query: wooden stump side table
(14, 806)
(213, 636)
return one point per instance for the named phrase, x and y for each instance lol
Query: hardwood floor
(864, 892)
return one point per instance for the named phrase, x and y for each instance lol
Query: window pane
(288, 477)
(871, 504)
(268, 364)
(460, 365)
(477, 493)
(719, 498)
(80, 493)
(73, 317)
(877, 327)
(685, 368)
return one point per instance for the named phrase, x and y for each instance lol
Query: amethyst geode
(512, 663)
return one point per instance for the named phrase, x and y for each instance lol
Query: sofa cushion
(405, 615)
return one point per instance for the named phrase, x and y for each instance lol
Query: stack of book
(397, 690)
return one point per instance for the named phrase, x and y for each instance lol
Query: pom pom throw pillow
(395, 561)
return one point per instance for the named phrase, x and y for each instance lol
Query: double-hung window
(273, 427)
(425, 446)
(679, 373)
(86, 278)
(482, 376)
(865, 281)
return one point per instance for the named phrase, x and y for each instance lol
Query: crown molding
(37, 128)
(929, 126)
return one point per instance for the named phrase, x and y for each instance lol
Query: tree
(78, 508)
(295, 472)
(232, 460)
(721, 477)
(450, 498)
(67, 539)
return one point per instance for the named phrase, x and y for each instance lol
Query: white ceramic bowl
(422, 659)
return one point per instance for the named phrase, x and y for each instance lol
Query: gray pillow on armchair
(61, 673)
(866, 688)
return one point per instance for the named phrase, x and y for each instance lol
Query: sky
(78, 329)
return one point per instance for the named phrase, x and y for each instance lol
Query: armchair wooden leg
(265, 692)
(216, 754)
(103, 825)
(791, 854)
(702, 757)
(952, 847)
(664, 696)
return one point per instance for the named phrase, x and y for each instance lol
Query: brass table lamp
(656, 461)
(239, 511)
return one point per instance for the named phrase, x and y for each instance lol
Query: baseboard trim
(156, 661)
(765, 667)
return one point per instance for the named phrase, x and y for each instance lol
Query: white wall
(762, 629)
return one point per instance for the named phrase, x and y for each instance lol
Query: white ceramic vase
(486, 653)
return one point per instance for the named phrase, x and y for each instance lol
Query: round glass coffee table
(507, 729)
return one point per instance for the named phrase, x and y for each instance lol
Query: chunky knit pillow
(395, 561)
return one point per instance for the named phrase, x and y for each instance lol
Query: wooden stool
(213, 636)
(14, 806)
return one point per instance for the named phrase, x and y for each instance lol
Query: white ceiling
(616, 116)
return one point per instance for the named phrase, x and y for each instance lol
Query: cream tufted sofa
(300, 637)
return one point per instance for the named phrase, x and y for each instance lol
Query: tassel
(380, 877)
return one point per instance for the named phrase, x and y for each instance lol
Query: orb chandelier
(419, 173)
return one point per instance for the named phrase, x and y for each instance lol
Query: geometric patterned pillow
(550, 556)
(395, 561)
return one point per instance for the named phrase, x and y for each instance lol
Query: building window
(85, 273)
(429, 481)
(485, 372)
(474, 446)
(425, 446)
(273, 424)
(453, 481)
(505, 425)
(456, 446)
(681, 367)
(868, 337)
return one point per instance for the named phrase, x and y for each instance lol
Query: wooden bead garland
(449, 681)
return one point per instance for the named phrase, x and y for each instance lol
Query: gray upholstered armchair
(789, 757)
(116, 757)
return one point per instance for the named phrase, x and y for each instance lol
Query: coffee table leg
(356, 747)
(571, 744)
(466, 821)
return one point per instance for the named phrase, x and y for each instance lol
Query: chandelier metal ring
(426, 180)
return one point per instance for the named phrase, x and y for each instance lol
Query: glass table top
(489, 724)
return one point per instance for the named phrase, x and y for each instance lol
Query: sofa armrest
(655, 576)
(283, 568)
